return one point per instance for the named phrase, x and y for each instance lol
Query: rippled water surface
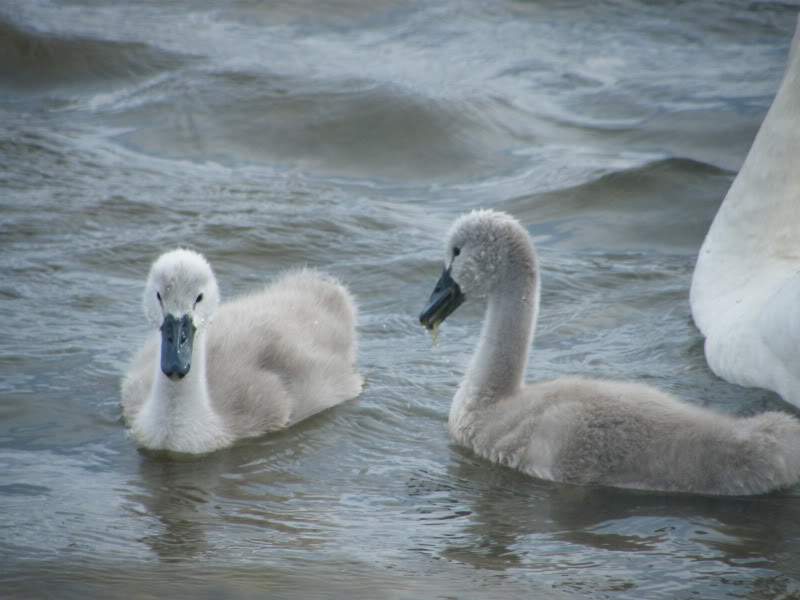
(347, 135)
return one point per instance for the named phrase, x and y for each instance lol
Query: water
(348, 135)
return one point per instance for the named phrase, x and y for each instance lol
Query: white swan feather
(745, 294)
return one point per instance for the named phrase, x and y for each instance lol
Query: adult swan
(745, 293)
(210, 374)
(577, 430)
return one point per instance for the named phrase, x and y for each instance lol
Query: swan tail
(775, 440)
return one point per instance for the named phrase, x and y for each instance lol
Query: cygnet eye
(158, 295)
(199, 299)
(456, 251)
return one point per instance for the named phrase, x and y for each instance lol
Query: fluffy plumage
(745, 293)
(579, 430)
(258, 363)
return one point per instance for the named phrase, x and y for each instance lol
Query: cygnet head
(180, 296)
(483, 248)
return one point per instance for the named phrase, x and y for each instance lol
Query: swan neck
(761, 197)
(497, 368)
(756, 222)
(172, 405)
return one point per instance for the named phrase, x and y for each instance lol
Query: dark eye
(456, 251)
(158, 295)
(199, 299)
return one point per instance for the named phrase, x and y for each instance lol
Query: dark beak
(446, 297)
(177, 337)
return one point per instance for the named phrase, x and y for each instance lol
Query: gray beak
(446, 297)
(177, 337)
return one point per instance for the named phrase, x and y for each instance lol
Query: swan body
(580, 430)
(215, 373)
(745, 293)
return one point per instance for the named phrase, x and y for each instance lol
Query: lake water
(347, 135)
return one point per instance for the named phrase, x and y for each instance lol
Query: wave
(665, 205)
(32, 60)
(348, 127)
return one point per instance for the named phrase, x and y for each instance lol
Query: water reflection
(605, 539)
(225, 502)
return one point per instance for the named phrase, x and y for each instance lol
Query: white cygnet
(210, 373)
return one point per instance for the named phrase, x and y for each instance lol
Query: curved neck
(762, 197)
(757, 221)
(497, 368)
